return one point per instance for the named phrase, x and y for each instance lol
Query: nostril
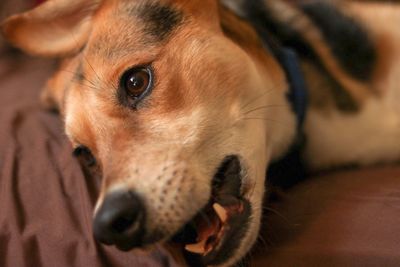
(120, 220)
(122, 224)
(126, 224)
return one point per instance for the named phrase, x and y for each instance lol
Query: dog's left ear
(55, 28)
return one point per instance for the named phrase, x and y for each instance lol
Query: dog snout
(120, 220)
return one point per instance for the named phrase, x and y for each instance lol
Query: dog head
(179, 107)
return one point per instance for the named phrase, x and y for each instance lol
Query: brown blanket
(348, 218)
(342, 219)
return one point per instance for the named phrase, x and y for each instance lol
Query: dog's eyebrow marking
(159, 20)
(79, 76)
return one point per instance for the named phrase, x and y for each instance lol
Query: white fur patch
(370, 136)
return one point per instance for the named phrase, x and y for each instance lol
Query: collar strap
(290, 170)
(298, 94)
(287, 57)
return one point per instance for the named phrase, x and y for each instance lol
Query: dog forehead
(121, 26)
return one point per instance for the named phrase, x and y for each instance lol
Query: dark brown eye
(136, 83)
(85, 156)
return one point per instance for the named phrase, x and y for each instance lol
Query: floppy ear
(55, 28)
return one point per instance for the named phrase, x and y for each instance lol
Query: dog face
(171, 110)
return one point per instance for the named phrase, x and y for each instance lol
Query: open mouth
(214, 234)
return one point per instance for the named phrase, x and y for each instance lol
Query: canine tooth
(221, 212)
(196, 248)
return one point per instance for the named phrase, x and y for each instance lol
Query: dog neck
(298, 93)
(289, 170)
(287, 58)
(249, 37)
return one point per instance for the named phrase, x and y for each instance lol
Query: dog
(182, 105)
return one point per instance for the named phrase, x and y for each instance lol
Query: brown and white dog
(181, 106)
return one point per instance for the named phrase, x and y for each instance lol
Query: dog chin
(245, 245)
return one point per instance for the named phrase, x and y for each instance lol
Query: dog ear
(55, 28)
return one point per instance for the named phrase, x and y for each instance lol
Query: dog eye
(85, 156)
(136, 83)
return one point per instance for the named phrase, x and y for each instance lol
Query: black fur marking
(343, 99)
(282, 35)
(348, 41)
(159, 20)
(264, 22)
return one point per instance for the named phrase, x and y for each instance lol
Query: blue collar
(287, 57)
(298, 94)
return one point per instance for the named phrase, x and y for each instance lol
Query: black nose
(120, 221)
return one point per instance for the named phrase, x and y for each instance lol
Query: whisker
(273, 89)
(91, 85)
(266, 119)
(266, 241)
(265, 208)
(215, 139)
(262, 240)
(82, 54)
(263, 107)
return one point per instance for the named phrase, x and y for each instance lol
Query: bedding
(343, 218)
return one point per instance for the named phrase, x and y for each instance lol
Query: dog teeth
(198, 248)
(221, 212)
(202, 247)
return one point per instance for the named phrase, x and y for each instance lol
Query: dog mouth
(215, 233)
